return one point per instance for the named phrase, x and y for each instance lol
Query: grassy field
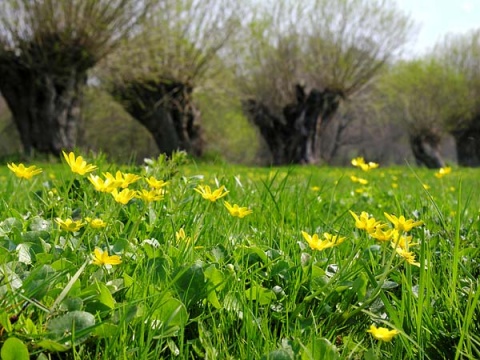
(171, 274)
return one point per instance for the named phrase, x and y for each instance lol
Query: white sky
(439, 17)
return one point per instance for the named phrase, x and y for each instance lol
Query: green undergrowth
(238, 288)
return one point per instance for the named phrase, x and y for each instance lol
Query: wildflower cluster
(234, 210)
(397, 235)
(360, 163)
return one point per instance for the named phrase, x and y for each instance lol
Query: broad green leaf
(172, 316)
(260, 294)
(72, 323)
(277, 355)
(191, 283)
(360, 286)
(52, 346)
(14, 349)
(320, 349)
(105, 297)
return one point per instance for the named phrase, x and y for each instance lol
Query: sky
(436, 18)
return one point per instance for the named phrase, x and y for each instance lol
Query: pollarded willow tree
(46, 49)
(461, 54)
(423, 96)
(155, 73)
(301, 59)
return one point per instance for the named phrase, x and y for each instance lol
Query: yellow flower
(96, 223)
(382, 334)
(383, 235)
(404, 242)
(443, 171)
(315, 188)
(359, 180)
(101, 258)
(124, 196)
(114, 181)
(426, 186)
(360, 162)
(407, 255)
(180, 235)
(69, 224)
(207, 193)
(129, 179)
(100, 184)
(365, 222)
(401, 224)
(77, 164)
(328, 242)
(394, 185)
(150, 195)
(236, 210)
(24, 172)
(156, 184)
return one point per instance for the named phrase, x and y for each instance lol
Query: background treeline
(265, 82)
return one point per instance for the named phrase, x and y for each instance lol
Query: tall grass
(239, 288)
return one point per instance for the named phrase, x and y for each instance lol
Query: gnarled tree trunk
(294, 137)
(167, 111)
(425, 147)
(45, 105)
(467, 143)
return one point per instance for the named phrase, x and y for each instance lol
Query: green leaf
(5, 321)
(360, 286)
(260, 294)
(320, 349)
(277, 355)
(172, 315)
(74, 323)
(105, 297)
(14, 349)
(52, 346)
(191, 283)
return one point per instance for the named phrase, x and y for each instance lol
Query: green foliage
(195, 281)
(425, 94)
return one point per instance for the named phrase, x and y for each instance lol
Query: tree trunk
(44, 105)
(167, 112)
(467, 143)
(294, 137)
(425, 147)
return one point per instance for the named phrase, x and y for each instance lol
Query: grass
(239, 288)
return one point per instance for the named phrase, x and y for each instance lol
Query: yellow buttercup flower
(77, 164)
(382, 334)
(96, 223)
(236, 210)
(443, 171)
(408, 256)
(100, 184)
(383, 235)
(404, 242)
(207, 193)
(114, 181)
(328, 241)
(365, 222)
(124, 196)
(359, 180)
(150, 195)
(401, 224)
(69, 224)
(129, 179)
(24, 172)
(156, 184)
(360, 162)
(101, 258)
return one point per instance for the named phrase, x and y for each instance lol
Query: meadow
(177, 260)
